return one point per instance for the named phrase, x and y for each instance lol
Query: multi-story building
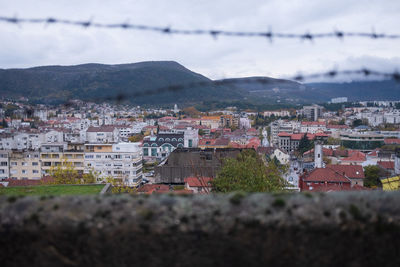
(229, 120)
(160, 146)
(25, 165)
(102, 134)
(119, 161)
(4, 165)
(53, 155)
(312, 127)
(290, 142)
(312, 112)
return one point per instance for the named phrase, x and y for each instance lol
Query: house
(199, 185)
(324, 180)
(214, 143)
(355, 158)
(354, 172)
(158, 147)
(192, 162)
(387, 166)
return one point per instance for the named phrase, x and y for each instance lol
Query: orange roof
(391, 141)
(386, 164)
(326, 175)
(356, 156)
(351, 171)
(198, 181)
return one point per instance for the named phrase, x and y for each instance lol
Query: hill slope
(98, 82)
(93, 81)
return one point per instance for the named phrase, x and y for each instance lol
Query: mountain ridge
(94, 80)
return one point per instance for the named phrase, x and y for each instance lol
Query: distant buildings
(339, 100)
(312, 112)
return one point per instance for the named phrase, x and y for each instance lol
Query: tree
(333, 141)
(372, 174)
(66, 173)
(135, 138)
(304, 145)
(357, 122)
(191, 112)
(248, 173)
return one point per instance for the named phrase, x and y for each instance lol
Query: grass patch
(53, 190)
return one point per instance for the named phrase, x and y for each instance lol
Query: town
(336, 146)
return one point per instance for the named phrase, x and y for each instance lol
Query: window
(89, 156)
(24, 163)
(145, 152)
(167, 140)
(127, 157)
(98, 156)
(190, 142)
(154, 152)
(35, 171)
(4, 163)
(14, 163)
(173, 139)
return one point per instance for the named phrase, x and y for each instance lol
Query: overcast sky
(33, 45)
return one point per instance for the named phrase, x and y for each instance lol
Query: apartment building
(120, 161)
(53, 155)
(4, 165)
(312, 112)
(25, 165)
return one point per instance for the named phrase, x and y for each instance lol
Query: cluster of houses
(189, 150)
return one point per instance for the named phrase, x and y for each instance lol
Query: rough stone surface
(333, 229)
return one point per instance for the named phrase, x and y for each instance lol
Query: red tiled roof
(206, 141)
(389, 165)
(152, 188)
(284, 134)
(374, 153)
(29, 182)
(391, 141)
(198, 181)
(356, 156)
(328, 188)
(351, 171)
(326, 175)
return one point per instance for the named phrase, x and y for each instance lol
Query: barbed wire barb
(214, 33)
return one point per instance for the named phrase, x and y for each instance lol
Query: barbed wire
(364, 72)
(270, 35)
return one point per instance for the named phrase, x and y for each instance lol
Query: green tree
(248, 173)
(372, 174)
(304, 145)
(357, 122)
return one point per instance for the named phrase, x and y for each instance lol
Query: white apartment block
(4, 165)
(119, 161)
(102, 134)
